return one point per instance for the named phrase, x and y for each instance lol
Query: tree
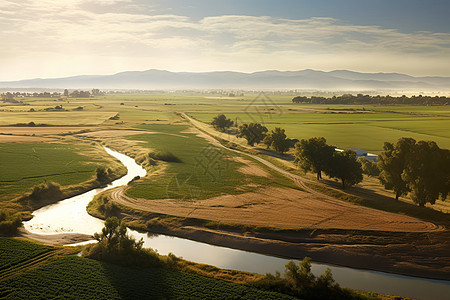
(313, 155)
(254, 133)
(221, 123)
(109, 232)
(300, 275)
(268, 140)
(66, 93)
(103, 174)
(278, 139)
(427, 172)
(392, 162)
(369, 167)
(344, 166)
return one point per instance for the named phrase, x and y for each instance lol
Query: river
(70, 216)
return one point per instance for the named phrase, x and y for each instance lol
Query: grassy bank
(27, 270)
(37, 174)
(196, 170)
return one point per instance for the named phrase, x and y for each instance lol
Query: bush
(116, 246)
(46, 191)
(103, 174)
(300, 282)
(9, 223)
(164, 156)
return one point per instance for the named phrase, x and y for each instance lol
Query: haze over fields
(305, 79)
(55, 39)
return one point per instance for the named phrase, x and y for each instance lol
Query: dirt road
(279, 207)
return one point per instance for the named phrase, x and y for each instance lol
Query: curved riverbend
(70, 216)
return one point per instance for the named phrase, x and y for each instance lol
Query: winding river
(70, 216)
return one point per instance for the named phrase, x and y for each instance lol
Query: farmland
(368, 131)
(69, 276)
(26, 165)
(197, 188)
(202, 166)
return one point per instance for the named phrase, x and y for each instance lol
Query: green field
(367, 131)
(73, 277)
(15, 251)
(204, 171)
(24, 165)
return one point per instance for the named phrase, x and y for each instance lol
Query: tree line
(9, 96)
(367, 99)
(256, 133)
(420, 169)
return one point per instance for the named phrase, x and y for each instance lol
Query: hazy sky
(56, 38)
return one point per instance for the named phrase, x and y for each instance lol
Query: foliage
(9, 222)
(420, 168)
(115, 245)
(300, 282)
(164, 156)
(369, 167)
(278, 140)
(103, 174)
(313, 155)
(46, 190)
(366, 99)
(254, 133)
(427, 172)
(221, 122)
(343, 165)
(392, 162)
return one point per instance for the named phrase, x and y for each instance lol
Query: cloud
(50, 31)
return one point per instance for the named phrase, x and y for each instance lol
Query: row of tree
(9, 96)
(421, 169)
(256, 133)
(315, 155)
(367, 99)
(82, 94)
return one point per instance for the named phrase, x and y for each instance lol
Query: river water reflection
(70, 216)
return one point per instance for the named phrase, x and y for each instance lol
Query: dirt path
(279, 207)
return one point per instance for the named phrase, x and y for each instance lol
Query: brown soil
(282, 208)
(251, 168)
(40, 130)
(56, 239)
(23, 139)
(362, 250)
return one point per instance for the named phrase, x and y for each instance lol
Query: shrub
(116, 246)
(46, 191)
(300, 282)
(103, 174)
(164, 156)
(9, 223)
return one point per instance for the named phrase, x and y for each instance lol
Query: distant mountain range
(306, 79)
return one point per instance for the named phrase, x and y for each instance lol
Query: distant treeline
(9, 96)
(367, 99)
